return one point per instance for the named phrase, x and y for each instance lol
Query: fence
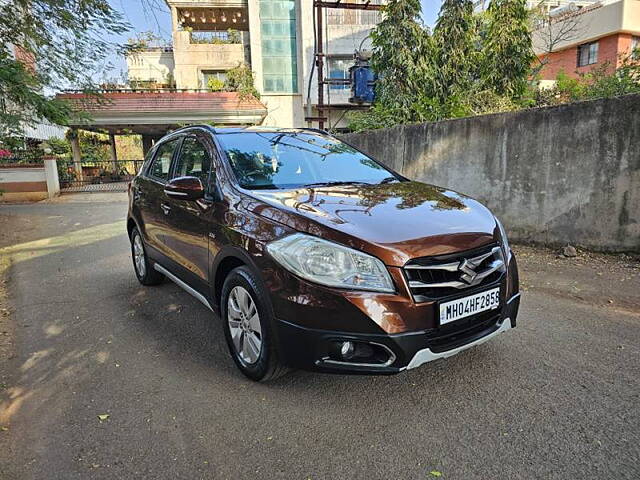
(96, 175)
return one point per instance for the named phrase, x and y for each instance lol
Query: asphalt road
(556, 398)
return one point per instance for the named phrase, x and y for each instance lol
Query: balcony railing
(228, 37)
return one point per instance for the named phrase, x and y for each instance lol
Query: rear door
(188, 220)
(152, 197)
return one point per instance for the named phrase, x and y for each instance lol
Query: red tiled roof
(139, 102)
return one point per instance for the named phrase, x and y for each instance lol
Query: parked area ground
(556, 398)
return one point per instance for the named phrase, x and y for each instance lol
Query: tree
(455, 40)
(507, 52)
(472, 64)
(58, 43)
(550, 31)
(400, 46)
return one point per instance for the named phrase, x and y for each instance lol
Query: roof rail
(195, 125)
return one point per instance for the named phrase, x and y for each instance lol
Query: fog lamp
(346, 350)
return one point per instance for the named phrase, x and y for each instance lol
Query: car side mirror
(184, 188)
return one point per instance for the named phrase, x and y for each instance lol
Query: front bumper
(310, 349)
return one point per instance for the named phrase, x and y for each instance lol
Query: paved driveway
(557, 398)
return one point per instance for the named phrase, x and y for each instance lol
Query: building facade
(577, 39)
(276, 38)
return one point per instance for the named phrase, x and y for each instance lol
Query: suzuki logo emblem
(468, 269)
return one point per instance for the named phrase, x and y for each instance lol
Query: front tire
(247, 319)
(145, 273)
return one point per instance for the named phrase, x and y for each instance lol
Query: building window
(212, 79)
(338, 16)
(279, 47)
(339, 68)
(587, 54)
(635, 48)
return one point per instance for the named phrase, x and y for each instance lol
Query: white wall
(150, 65)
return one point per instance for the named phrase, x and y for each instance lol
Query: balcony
(209, 37)
(186, 4)
(194, 53)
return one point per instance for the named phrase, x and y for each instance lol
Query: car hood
(395, 222)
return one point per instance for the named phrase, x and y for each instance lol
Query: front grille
(442, 276)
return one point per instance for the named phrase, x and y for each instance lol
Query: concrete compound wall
(568, 174)
(29, 182)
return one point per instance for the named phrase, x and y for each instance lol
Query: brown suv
(315, 255)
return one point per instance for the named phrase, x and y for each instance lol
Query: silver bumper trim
(426, 355)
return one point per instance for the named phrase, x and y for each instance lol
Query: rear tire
(145, 273)
(247, 318)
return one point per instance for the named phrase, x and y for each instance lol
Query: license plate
(467, 306)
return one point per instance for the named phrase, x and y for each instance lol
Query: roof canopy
(157, 112)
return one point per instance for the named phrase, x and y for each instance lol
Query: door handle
(165, 208)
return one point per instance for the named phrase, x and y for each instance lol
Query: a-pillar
(77, 155)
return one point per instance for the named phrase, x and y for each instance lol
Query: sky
(158, 20)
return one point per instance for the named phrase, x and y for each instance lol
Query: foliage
(94, 146)
(401, 57)
(129, 147)
(59, 146)
(472, 64)
(66, 173)
(456, 56)
(377, 117)
(215, 84)
(59, 42)
(143, 40)
(507, 52)
(23, 101)
(600, 82)
(240, 79)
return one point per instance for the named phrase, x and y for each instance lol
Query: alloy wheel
(138, 256)
(244, 325)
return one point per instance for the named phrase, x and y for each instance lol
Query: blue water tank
(362, 84)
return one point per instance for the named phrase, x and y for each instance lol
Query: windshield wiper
(332, 183)
(261, 187)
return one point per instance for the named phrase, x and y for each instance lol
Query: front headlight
(503, 240)
(330, 264)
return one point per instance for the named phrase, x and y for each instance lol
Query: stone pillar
(51, 175)
(114, 153)
(147, 143)
(77, 155)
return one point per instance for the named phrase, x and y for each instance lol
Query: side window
(193, 161)
(162, 161)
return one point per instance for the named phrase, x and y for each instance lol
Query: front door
(152, 199)
(188, 220)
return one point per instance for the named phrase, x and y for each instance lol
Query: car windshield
(270, 160)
